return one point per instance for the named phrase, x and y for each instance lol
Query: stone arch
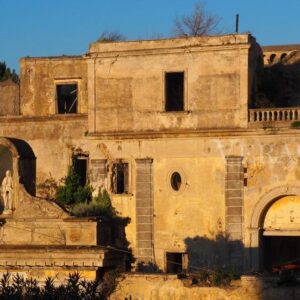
(257, 218)
(272, 58)
(267, 200)
(23, 162)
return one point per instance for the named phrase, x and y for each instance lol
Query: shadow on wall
(27, 165)
(279, 86)
(221, 252)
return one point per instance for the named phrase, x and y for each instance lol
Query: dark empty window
(174, 89)
(119, 178)
(176, 181)
(66, 98)
(174, 262)
(80, 168)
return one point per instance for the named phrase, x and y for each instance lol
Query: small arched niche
(18, 157)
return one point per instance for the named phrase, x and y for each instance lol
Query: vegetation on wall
(75, 198)
(71, 192)
(99, 206)
(48, 188)
(111, 36)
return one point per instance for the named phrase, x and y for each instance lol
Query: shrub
(48, 188)
(295, 124)
(16, 287)
(72, 192)
(100, 206)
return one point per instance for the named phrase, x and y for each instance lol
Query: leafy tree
(72, 192)
(110, 36)
(6, 73)
(100, 206)
(198, 23)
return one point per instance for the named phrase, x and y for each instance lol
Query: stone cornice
(212, 133)
(170, 46)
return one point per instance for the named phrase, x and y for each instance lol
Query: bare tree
(199, 23)
(111, 36)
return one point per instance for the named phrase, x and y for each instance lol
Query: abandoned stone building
(174, 131)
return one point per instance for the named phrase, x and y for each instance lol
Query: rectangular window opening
(174, 262)
(119, 178)
(66, 95)
(174, 91)
(80, 168)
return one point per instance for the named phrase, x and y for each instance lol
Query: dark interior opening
(174, 262)
(27, 165)
(280, 250)
(174, 89)
(80, 167)
(120, 178)
(176, 181)
(66, 98)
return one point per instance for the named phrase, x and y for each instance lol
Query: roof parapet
(172, 43)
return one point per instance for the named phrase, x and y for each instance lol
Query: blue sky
(56, 27)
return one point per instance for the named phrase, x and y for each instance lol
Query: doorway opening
(280, 250)
(174, 262)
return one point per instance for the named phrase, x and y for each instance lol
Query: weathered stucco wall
(38, 78)
(52, 140)
(122, 87)
(194, 218)
(157, 287)
(9, 98)
(127, 84)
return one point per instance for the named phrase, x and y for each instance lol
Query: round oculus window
(176, 181)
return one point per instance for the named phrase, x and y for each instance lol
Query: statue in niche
(7, 192)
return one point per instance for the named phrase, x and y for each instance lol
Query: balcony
(273, 117)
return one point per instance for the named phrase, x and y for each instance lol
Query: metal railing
(274, 114)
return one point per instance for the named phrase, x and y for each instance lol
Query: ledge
(51, 256)
(192, 133)
(53, 118)
(171, 44)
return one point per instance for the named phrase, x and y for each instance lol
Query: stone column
(234, 207)
(98, 173)
(144, 210)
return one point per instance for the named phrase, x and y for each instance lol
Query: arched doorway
(275, 228)
(281, 232)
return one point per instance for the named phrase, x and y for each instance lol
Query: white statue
(7, 191)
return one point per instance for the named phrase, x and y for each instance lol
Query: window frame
(82, 157)
(184, 259)
(128, 179)
(68, 81)
(185, 90)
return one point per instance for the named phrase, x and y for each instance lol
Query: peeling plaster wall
(38, 77)
(156, 287)
(9, 98)
(51, 138)
(195, 216)
(127, 84)
(124, 83)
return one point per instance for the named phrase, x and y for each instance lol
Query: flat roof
(171, 43)
(289, 47)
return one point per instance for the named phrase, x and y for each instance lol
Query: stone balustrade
(259, 115)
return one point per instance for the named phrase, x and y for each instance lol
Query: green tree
(6, 73)
(72, 192)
